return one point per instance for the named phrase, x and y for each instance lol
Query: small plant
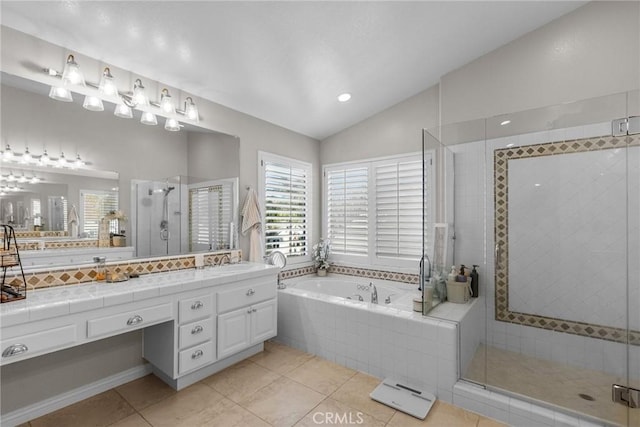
(321, 252)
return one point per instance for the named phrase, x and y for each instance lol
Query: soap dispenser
(474, 281)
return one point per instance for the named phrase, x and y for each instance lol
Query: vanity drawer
(129, 321)
(195, 308)
(195, 332)
(195, 357)
(245, 295)
(39, 342)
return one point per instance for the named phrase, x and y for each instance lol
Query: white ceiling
(286, 62)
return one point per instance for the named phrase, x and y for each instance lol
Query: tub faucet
(374, 293)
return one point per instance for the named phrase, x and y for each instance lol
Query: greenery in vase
(321, 252)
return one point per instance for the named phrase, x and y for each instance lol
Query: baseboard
(47, 406)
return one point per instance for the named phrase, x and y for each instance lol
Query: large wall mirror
(175, 192)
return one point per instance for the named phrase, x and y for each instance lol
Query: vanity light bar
(107, 91)
(28, 158)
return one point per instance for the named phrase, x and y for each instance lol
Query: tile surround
(501, 235)
(354, 271)
(82, 274)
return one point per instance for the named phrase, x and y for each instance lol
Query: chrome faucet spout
(374, 293)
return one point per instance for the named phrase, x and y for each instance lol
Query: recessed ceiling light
(344, 97)
(506, 122)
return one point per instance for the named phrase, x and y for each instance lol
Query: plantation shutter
(286, 204)
(347, 210)
(95, 205)
(210, 212)
(398, 192)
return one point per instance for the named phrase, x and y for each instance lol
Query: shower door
(562, 221)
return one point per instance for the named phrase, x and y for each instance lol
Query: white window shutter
(347, 210)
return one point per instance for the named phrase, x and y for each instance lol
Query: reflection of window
(286, 202)
(373, 210)
(94, 205)
(36, 212)
(210, 216)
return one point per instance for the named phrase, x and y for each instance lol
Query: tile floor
(551, 382)
(281, 386)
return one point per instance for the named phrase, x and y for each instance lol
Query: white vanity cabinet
(247, 315)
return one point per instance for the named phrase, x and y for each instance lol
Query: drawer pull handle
(254, 310)
(250, 292)
(249, 311)
(197, 330)
(134, 320)
(15, 350)
(197, 305)
(197, 354)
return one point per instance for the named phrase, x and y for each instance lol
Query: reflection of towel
(73, 221)
(252, 220)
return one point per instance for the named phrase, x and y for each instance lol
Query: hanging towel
(252, 221)
(73, 221)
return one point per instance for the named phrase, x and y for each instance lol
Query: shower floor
(552, 382)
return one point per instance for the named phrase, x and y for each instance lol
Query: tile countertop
(46, 303)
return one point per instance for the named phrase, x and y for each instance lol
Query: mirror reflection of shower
(158, 218)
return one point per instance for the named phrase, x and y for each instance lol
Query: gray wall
(395, 130)
(212, 155)
(591, 52)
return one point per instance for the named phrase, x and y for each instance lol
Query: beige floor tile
(355, 393)
(442, 414)
(223, 413)
(283, 402)
(176, 408)
(333, 413)
(241, 380)
(134, 420)
(321, 375)
(489, 422)
(100, 410)
(145, 391)
(280, 358)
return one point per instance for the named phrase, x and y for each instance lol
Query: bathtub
(390, 294)
(324, 316)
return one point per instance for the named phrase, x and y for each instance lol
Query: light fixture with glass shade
(172, 125)
(62, 161)
(71, 75)
(79, 163)
(26, 157)
(148, 119)
(93, 103)
(7, 155)
(107, 86)
(44, 159)
(166, 103)
(123, 111)
(139, 97)
(60, 94)
(191, 110)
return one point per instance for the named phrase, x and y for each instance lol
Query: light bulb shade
(191, 110)
(60, 94)
(26, 157)
(93, 103)
(107, 85)
(139, 96)
(148, 119)
(166, 103)
(172, 125)
(7, 155)
(34, 179)
(123, 111)
(78, 163)
(62, 161)
(71, 75)
(44, 159)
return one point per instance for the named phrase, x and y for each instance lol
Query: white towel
(73, 221)
(252, 220)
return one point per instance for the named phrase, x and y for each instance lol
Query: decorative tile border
(501, 159)
(37, 234)
(354, 271)
(85, 273)
(58, 244)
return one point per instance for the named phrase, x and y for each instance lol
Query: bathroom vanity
(196, 322)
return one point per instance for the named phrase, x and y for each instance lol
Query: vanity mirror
(128, 167)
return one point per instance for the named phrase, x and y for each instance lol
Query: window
(210, 215)
(286, 206)
(94, 205)
(373, 210)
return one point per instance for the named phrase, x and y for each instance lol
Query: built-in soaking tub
(324, 316)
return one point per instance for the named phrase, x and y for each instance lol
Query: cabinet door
(233, 332)
(264, 319)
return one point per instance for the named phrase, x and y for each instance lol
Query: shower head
(168, 190)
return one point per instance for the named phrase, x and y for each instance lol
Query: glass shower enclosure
(547, 203)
